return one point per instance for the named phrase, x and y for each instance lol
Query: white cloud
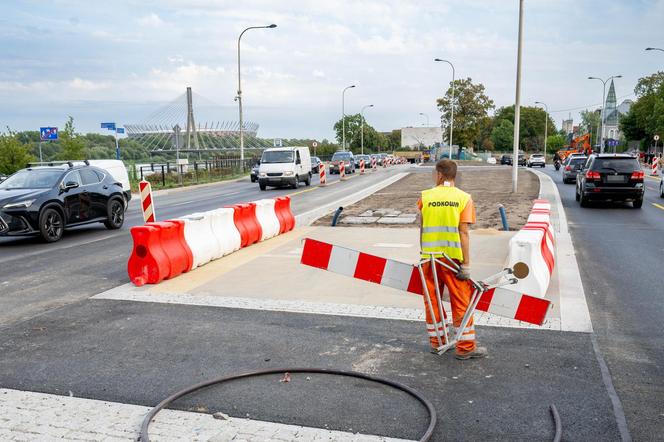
(151, 20)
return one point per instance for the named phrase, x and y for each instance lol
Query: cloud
(151, 20)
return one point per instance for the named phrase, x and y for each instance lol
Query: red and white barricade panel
(147, 205)
(406, 277)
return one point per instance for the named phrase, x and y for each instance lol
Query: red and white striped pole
(146, 202)
(361, 167)
(373, 163)
(655, 162)
(321, 173)
(342, 170)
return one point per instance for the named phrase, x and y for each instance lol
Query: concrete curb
(308, 218)
(574, 313)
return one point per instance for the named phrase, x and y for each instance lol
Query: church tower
(611, 114)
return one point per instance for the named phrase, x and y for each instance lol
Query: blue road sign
(612, 143)
(109, 126)
(48, 133)
(120, 130)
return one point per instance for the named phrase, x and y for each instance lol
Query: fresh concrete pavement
(130, 352)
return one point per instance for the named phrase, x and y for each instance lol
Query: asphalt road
(36, 277)
(620, 251)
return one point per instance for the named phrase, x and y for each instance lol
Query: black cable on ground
(558, 424)
(144, 436)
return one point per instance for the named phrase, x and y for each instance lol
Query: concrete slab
(401, 219)
(359, 219)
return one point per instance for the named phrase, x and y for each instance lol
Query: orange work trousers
(460, 294)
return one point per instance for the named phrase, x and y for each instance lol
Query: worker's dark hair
(447, 168)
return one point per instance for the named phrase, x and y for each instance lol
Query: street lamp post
(239, 87)
(546, 125)
(343, 116)
(362, 130)
(452, 106)
(601, 117)
(517, 104)
(426, 116)
(654, 49)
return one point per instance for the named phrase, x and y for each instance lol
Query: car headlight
(262, 174)
(288, 173)
(19, 205)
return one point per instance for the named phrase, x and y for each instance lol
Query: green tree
(394, 140)
(471, 106)
(13, 155)
(502, 135)
(73, 145)
(555, 142)
(590, 121)
(646, 116)
(373, 140)
(531, 125)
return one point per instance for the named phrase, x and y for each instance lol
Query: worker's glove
(464, 273)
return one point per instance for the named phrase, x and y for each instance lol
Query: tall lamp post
(239, 87)
(452, 106)
(601, 117)
(517, 104)
(654, 49)
(362, 131)
(546, 125)
(343, 116)
(425, 116)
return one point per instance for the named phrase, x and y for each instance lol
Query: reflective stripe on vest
(441, 211)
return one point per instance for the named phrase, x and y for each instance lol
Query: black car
(610, 177)
(315, 164)
(522, 160)
(571, 167)
(46, 200)
(254, 172)
(506, 159)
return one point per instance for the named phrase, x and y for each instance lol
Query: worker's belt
(440, 229)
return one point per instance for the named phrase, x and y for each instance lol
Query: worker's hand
(464, 273)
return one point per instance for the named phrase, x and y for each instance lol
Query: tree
(646, 116)
(13, 155)
(555, 142)
(373, 140)
(531, 125)
(502, 135)
(471, 105)
(590, 122)
(73, 146)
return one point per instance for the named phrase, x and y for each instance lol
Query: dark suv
(45, 200)
(610, 177)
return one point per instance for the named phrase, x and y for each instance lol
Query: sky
(123, 60)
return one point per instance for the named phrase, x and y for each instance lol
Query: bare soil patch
(488, 187)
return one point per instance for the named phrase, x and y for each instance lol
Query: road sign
(109, 126)
(656, 137)
(612, 142)
(278, 142)
(48, 133)
(120, 130)
(314, 144)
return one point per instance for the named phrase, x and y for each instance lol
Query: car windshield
(277, 156)
(341, 156)
(619, 165)
(32, 179)
(577, 161)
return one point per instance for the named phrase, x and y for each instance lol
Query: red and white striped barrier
(361, 167)
(654, 167)
(342, 170)
(406, 277)
(165, 250)
(321, 174)
(534, 245)
(147, 205)
(373, 163)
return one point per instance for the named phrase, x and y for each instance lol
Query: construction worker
(446, 213)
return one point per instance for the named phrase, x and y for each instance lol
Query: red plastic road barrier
(248, 215)
(406, 277)
(176, 248)
(321, 173)
(361, 167)
(146, 202)
(148, 262)
(283, 208)
(238, 219)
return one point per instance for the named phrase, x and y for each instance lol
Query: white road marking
(393, 245)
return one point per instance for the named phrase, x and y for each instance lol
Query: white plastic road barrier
(267, 218)
(225, 230)
(200, 238)
(542, 205)
(526, 247)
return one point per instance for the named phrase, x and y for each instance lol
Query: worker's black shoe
(478, 353)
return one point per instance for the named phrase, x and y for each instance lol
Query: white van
(281, 166)
(118, 171)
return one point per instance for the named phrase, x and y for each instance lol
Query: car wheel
(661, 189)
(307, 182)
(637, 204)
(51, 225)
(583, 200)
(253, 180)
(295, 183)
(115, 217)
(565, 181)
(262, 186)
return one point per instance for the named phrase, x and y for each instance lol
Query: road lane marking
(303, 191)
(659, 206)
(653, 178)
